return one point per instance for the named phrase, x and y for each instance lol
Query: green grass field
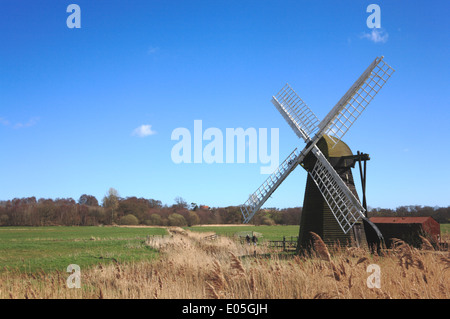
(31, 249)
(268, 232)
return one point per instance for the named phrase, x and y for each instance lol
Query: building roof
(401, 220)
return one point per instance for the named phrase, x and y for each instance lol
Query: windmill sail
(355, 101)
(298, 115)
(259, 197)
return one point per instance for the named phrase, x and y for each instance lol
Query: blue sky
(72, 99)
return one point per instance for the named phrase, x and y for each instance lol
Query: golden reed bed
(190, 267)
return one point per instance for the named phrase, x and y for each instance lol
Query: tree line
(87, 211)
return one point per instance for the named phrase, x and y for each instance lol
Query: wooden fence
(289, 244)
(210, 237)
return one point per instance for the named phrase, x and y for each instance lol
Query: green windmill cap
(325, 144)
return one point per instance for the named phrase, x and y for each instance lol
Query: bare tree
(111, 201)
(180, 202)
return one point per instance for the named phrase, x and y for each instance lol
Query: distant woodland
(113, 209)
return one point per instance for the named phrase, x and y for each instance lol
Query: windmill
(340, 200)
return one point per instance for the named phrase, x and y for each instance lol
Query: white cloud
(377, 36)
(4, 121)
(152, 50)
(30, 122)
(143, 131)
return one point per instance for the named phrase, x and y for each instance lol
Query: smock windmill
(326, 190)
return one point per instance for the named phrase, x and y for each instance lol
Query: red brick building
(408, 229)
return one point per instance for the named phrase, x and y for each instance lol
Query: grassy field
(188, 266)
(268, 232)
(31, 249)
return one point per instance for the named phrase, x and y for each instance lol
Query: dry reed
(190, 267)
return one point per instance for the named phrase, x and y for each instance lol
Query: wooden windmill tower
(316, 215)
(327, 160)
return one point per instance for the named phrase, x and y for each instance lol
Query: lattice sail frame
(259, 197)
(298, 115)
(344, 205)
(355, 101)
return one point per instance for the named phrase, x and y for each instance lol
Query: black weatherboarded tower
(316, 215)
